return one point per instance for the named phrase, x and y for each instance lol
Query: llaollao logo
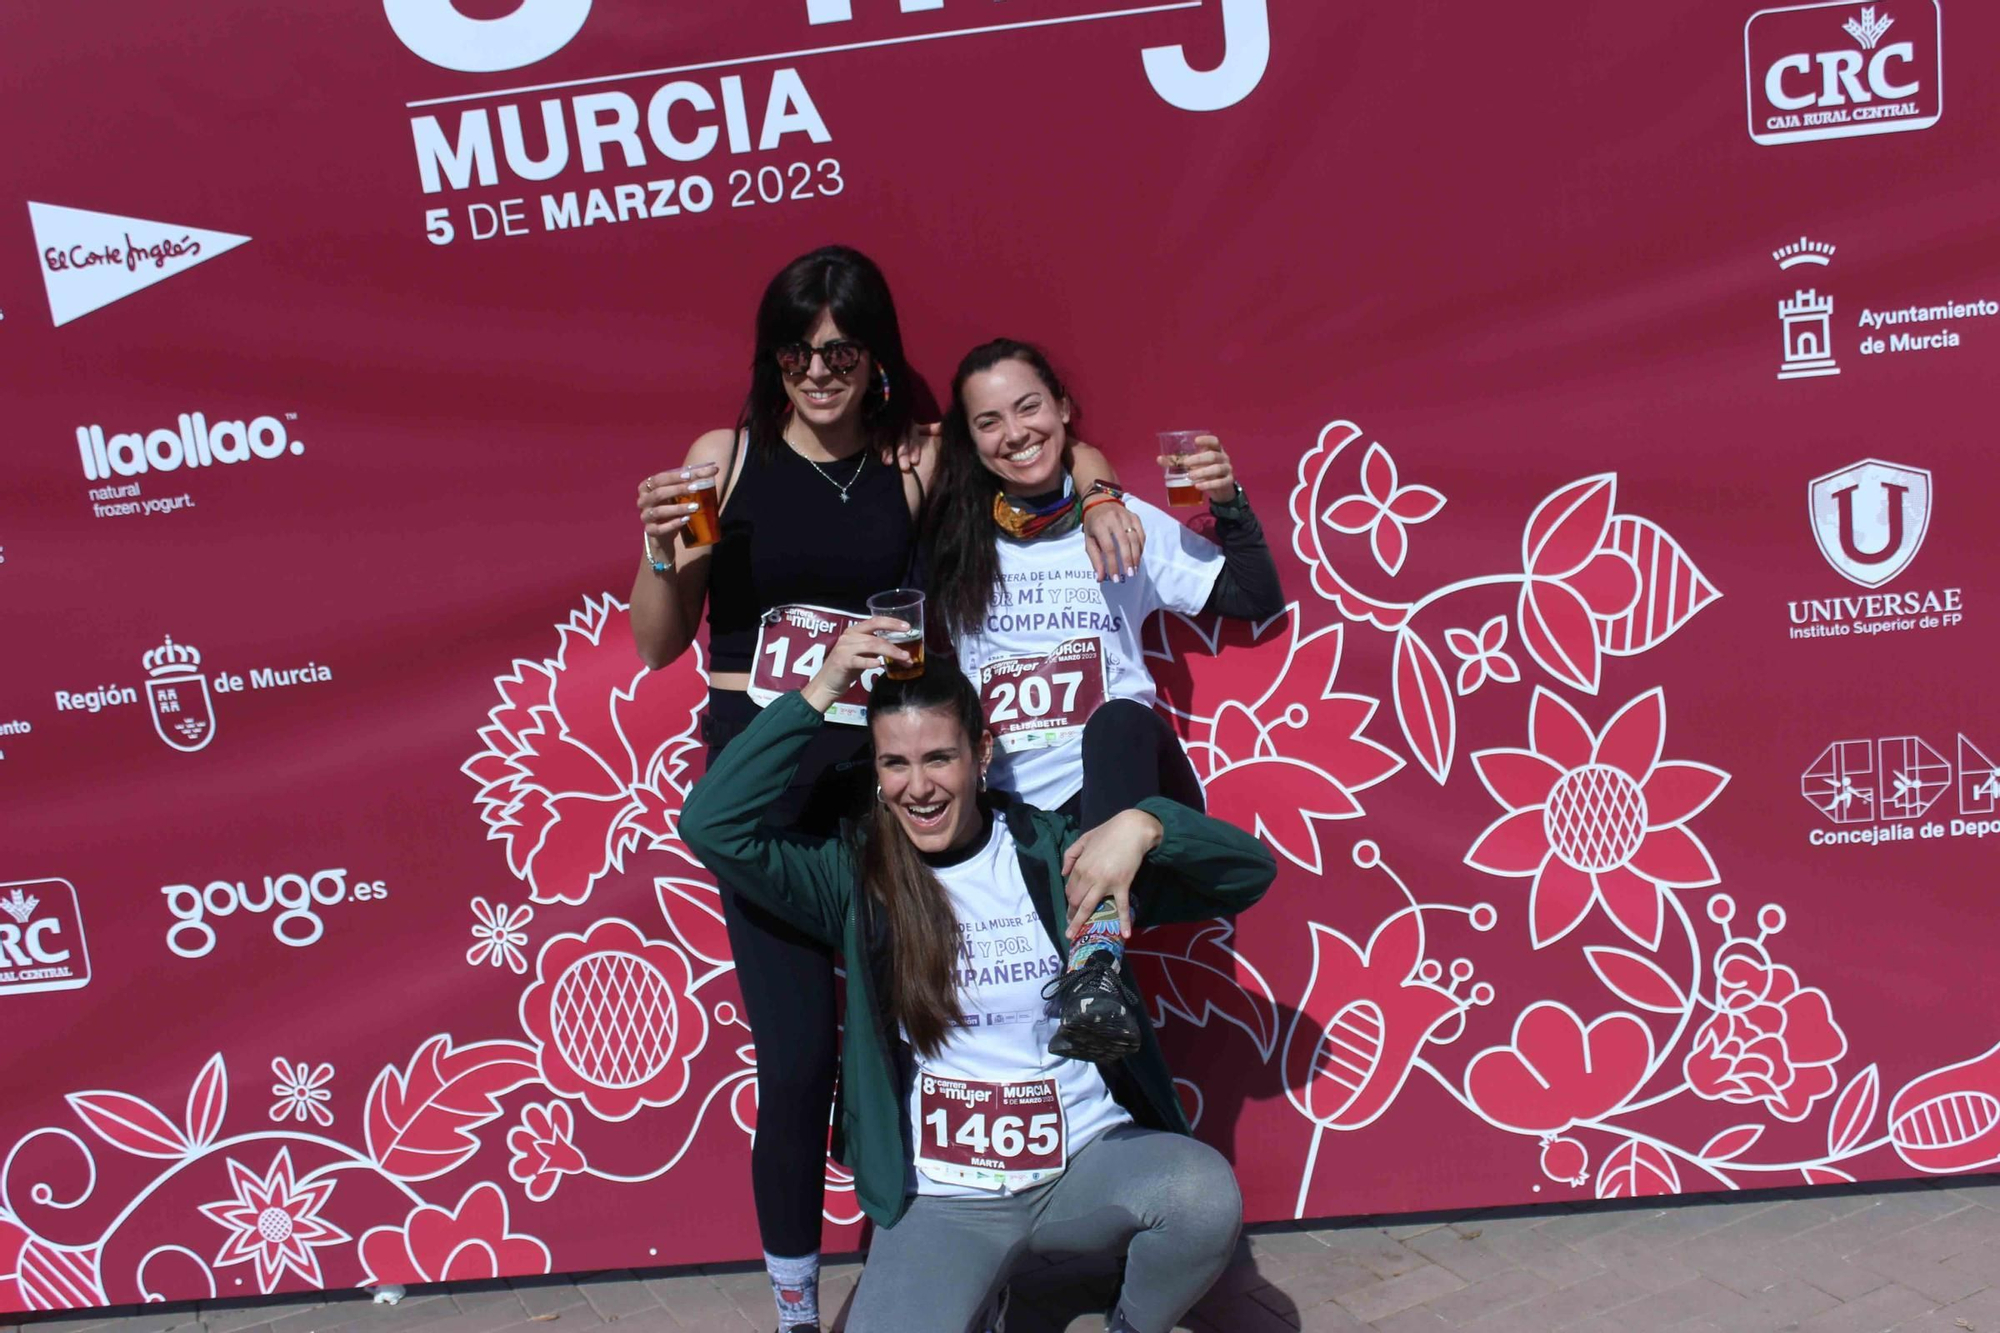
(1870, 518)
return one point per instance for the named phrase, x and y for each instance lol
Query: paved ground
(1923, 1256)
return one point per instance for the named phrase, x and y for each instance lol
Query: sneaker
(1099, 1010)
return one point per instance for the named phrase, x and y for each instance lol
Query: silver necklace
(829, 476)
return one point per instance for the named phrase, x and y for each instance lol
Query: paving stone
(1699, 1298)
(1563, 1306)
(1382, 1299)
(550, 1295)
(1812, 1259)
(615, 1295)
(1418, 1319)
(1289, 1240)
(1882, 1308)
(1238, 1314)
(1372, 1249)
(1546, 1258)
(228, 1316)
(1489, 1296)
(1470, 1259)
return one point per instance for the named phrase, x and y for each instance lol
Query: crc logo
(1832, 71)
(296, 899)
(1898, 778)
(437, 32)
(41, 937)
(1870, 517)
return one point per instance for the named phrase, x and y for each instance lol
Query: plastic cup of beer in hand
(1176, 445)
(704, 525)
(906, 605)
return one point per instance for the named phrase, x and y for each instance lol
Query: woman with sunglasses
(820, 486)
(971, 1144)
(1056, 653)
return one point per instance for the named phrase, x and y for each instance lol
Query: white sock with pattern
(795, 1287)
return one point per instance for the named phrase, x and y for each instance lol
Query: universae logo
(1870, 518)
(1838, 70)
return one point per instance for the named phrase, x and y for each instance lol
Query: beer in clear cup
(704, 525)
(906, 605)
(1176, 445)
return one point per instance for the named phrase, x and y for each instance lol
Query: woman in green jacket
(970, 1143)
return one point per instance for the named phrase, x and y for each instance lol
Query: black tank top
(788, 539)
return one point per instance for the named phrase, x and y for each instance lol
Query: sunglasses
(840, 356)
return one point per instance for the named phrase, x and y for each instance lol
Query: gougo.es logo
(440, 34)
(295, 898)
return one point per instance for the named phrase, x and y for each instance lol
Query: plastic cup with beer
(906, 605)
(1175, 447)
(704, 525)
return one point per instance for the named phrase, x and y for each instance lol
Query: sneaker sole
(1098, 1043)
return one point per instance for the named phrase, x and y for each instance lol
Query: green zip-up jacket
(1202, 868)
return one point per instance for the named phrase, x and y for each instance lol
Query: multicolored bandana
(1024, 523)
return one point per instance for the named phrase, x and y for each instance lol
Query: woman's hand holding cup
(660, 505)
(1206, 467)
(860, 649)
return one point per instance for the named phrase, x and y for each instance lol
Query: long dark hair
(960, 538)
(847, 283)
(921, 927)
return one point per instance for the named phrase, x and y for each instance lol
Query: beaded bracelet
(652, 555)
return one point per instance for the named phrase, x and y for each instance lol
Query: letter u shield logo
(183, 714)
(1870, 518)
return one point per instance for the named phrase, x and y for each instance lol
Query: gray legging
(1173, 1200)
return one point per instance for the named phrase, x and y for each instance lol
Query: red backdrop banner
(1614, 383)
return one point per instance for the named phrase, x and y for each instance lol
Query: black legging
(1130, 753)
(787, 983)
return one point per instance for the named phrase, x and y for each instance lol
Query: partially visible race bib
(1035, 702)
(990, 1136)
(792, 643)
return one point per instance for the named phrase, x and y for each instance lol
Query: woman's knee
(1202, 1199)
(1119, 722)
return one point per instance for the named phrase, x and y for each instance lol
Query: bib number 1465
(1009, 1137)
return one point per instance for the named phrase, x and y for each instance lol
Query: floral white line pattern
(274, 1221)
(499, 935)
(301, 1094)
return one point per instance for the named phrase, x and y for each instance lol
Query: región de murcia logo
(181, 697)
(183, 713)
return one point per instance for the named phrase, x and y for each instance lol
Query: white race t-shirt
(1056, 643)
(993, 1111)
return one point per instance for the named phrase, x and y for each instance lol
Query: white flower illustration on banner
(301, 1094)
(274, 1222)
(1482, 657)
(585, 757)
(1384, 510)
(539, 1149)
(1596, 818)
(499, 935)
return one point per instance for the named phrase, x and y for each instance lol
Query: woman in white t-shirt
(1054, 651)
(971, 1144)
